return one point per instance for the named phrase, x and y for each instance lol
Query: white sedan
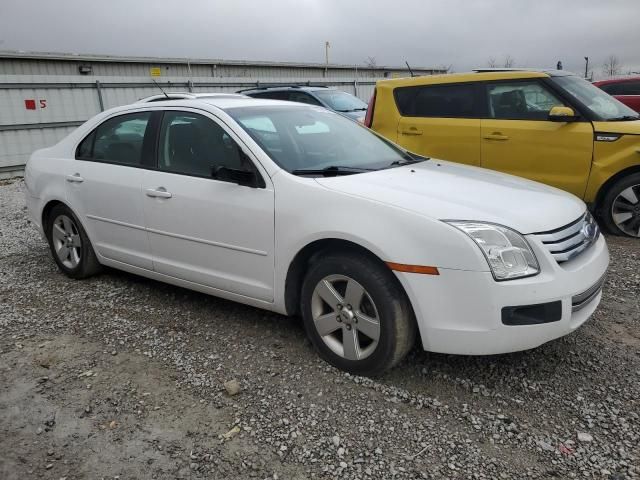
(297, 210)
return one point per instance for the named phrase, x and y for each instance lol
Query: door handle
(496, 136)
(411, 131)
(160, 192)
(75, 178)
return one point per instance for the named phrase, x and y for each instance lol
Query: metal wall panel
(70, 100)
(63, 98)
(17, 146)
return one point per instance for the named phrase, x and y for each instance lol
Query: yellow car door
(519, 138)
(440, 121)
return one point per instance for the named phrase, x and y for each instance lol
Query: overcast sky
(461, 33)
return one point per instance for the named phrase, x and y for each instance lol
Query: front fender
(609, 159)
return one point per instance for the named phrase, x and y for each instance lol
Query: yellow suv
(548, 126)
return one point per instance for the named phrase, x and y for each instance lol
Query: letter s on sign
(43, 103)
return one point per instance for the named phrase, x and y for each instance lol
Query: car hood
(444, 190)
(631, 127)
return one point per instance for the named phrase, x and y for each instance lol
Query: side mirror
(562, 114)
(247, 178)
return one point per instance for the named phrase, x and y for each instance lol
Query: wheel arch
(597, 204)
(308, 254)
(46, 211)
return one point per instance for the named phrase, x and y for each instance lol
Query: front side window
(117, 140)
(305, 138)
(457, 101)
(520, 101)
(192, 144)
(602, 105)
(340, 101)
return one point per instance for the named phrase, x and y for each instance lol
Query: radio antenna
(163, 92)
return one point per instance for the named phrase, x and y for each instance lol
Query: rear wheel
(69, 244)
(356, 314)
(621, 206)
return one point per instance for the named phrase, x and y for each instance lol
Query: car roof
(188, 95)
(279, 88)
(632, 78)
(222, 102)
(474, 76)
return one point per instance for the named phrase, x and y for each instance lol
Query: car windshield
(603, 105)
(340, 101)
(313, 138)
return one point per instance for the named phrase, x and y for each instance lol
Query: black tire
(610, 198)
(397, 326)
(88, 264)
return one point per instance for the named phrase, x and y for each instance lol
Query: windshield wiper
(623, 118)
(408, 159)
(332, 171)
(352, 110)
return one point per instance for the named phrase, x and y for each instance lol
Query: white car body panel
(239, 242)
(196, 235)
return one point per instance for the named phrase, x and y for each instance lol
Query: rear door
(103, 186)
(440, 121)
(202, 230)
(519, 139)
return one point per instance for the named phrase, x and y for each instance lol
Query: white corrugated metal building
(44, 96)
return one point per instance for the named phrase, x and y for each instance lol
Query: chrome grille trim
(566, 242)
(581, 300)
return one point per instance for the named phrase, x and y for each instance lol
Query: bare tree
(612, 66)
(509, 61)
(370, 62)
(492, 63)
(445, 68)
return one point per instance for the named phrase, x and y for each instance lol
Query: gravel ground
(122, 377)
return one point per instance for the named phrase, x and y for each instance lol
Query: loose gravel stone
(157, 409)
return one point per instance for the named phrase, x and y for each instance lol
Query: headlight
(507, 252)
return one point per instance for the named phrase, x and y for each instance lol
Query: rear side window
(302, 97)
(622, 88)
(277, 95)
(458, 101)
(117, 140)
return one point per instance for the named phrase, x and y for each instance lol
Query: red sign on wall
(30, 103)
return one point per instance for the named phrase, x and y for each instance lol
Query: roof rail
(499, 69)
(276, 85)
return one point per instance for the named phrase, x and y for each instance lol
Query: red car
(627, 90)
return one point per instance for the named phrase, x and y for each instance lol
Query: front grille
(578, 302)
(566, 242)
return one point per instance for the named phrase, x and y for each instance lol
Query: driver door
(203, 230)
(518, 138)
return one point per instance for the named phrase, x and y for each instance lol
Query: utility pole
(586, 67)
(326, 58)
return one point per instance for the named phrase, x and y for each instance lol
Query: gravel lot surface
(122, 377)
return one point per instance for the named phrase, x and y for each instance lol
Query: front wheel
(356, 314)
(621, 206)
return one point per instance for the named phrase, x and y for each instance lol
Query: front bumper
(460, 312)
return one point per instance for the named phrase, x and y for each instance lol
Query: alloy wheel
(67, 243)
(625, 211)
(345, 317)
